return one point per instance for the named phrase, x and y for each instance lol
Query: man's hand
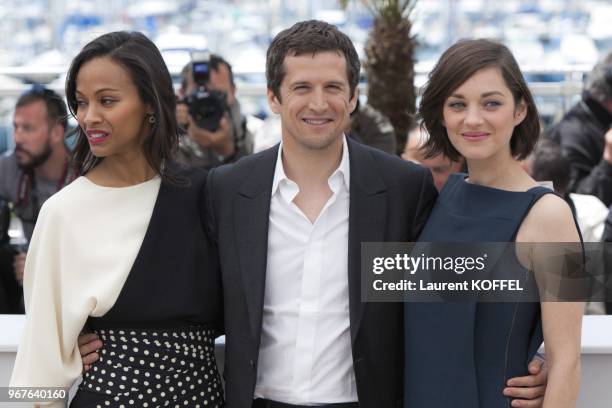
(607, 155)
(220, 141)
(529, 390)
(19, 266)
(88, 345)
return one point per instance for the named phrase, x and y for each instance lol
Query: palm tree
(389, 64)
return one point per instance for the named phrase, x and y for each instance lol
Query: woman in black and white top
(123, 248)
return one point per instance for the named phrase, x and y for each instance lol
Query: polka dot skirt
(153, 368)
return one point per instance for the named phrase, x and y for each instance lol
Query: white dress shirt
(305, 352)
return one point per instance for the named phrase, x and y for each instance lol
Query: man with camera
(585, 135)
(36, 169)
(210, 113)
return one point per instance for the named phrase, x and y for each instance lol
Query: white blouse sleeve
(48, 354)
(83, 247)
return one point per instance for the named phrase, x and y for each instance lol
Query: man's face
(219, 81)
(440, 166)
(315, 99)
(32, 134)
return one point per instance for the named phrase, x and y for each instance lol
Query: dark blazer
(390, 200)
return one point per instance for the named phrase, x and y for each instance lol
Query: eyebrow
(100, 91)
(337, 83)
(484, 95)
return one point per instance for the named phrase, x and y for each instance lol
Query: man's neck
(308, 167)
(54, 167)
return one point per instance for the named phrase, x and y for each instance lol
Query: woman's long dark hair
(145, 65)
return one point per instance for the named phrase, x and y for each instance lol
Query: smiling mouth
(97, 137)
(316, 122)
(475, 136)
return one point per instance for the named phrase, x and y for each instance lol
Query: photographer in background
(210, 113)
(36, 169)
(585, 135)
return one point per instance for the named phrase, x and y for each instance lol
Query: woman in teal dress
(477, 105)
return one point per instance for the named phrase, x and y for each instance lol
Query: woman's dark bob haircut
(145, 65)
(457, 65)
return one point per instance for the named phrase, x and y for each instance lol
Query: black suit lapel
(367, 221)
(251, 219)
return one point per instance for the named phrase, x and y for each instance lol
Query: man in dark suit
(288, 224)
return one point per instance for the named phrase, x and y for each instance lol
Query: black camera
(206, 107)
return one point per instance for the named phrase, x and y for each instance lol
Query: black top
(175, 278)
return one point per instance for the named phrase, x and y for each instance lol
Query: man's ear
(273, 101)
(57, 133)
(354, 99)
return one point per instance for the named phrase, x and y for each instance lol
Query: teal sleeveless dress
(461, 354)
